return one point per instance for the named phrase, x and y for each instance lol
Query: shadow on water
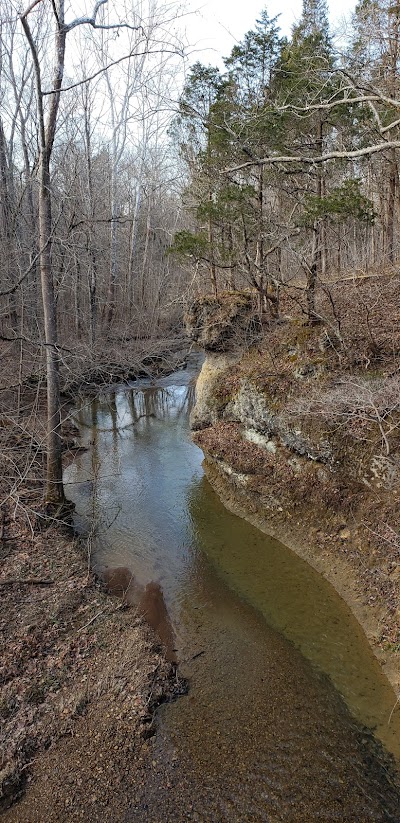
(284, 688)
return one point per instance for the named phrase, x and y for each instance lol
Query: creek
(289, 716)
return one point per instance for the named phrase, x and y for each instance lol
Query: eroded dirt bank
(300, 431)
(81, 677)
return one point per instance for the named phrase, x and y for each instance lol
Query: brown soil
(81, 676)
(92, 769)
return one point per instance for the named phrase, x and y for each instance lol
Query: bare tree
(48, 104)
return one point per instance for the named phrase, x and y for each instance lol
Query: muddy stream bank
(289, 717)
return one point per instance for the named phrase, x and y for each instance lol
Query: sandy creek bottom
(285, 692)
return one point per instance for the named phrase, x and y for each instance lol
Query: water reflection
(137, 484)
(126, 409)
(148, 602)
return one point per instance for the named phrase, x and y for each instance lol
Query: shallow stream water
(285, 692)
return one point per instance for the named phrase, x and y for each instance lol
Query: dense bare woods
(121, 196)
(89, 198)
(113, 182)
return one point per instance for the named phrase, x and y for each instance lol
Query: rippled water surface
(285, 691)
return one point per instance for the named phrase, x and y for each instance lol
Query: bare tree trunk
(54, 492)
(111, 297)
(372, 245)
(92, 284)
(92, 269)
(322, 232)
(133, 245)
(32, 239)
(260, 227)
(391, 207)
(54, 486)
(231, 276)
(77, 297)
(312, 274)
(6, 220)
(318, 226)
(212, 266)
(394, 22)
(315, 269)
(145, 259)
(371, 250)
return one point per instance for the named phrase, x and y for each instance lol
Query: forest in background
(123, 198)
(292, 154)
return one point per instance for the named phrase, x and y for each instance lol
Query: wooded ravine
(136, 185)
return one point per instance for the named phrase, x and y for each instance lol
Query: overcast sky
(217, 25)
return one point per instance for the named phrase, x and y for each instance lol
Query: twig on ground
(92, 619)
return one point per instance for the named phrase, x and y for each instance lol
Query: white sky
(217, 25)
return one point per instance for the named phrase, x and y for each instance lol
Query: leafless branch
(92, 21)
(367, 151)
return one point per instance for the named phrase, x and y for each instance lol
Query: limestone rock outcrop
(223, 324)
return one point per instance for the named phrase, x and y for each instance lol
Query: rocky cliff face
(258, 447)
(261, 424)
(277, 454)
(227, 323)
